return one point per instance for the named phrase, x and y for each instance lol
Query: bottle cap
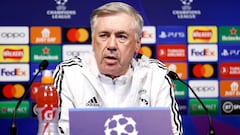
(47, 77)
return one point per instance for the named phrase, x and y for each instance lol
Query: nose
(112, 44)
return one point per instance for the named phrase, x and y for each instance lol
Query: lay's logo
(14, 53)
(202, 34)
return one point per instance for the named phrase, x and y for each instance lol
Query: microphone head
(43, 65)
(173, 75)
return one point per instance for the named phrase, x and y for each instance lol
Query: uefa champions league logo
(186, 2)
(120, 125)
(61, 2)
(61, 11)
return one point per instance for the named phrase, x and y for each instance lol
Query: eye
(103, 36)
(122, 37)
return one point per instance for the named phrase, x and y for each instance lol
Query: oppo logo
(74, 53)
(12, 35)
(204, 88)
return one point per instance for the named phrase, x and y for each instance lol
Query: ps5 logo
(232, 52)
(164, 34)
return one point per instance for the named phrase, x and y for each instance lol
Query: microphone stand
(174, 76)
(13, 128)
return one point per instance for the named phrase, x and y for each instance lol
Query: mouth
(110, 60)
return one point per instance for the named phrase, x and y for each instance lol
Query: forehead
(115, 22)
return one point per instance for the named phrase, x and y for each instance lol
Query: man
(113, 75)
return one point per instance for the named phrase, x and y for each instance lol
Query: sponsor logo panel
(34, 110)
(203, 70)
(229, 33)
(14, 53)
(230, 88)
(202, 52)
(204, 88)
(179, 67)
(230, 107)
(7, 108)
(70, 51)
(183, 106)
(45, 35)
(14, 72)
(173, 52)
(202, 34)
(171, 34)
(197, 109)
(148, 35)
(77, 35)
(229, 52)
(35, 67)
(148, 50)
(180, 90)
(34, 89)
(51, 53)
(14, 35)
(13, 90)
(230, 70)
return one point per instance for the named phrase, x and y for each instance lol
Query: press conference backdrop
(198, 39)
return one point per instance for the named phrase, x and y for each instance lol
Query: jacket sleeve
(163, 96)
(65, 97)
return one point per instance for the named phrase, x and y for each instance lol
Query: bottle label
(48, 119)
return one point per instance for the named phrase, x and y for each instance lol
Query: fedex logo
(14, 72)
(202, 52)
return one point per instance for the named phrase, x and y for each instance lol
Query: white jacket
(80, 84)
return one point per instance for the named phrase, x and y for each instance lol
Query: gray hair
(118, 7)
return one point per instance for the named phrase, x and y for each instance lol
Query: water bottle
(47, 106)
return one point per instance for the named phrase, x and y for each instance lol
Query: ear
(138, 45)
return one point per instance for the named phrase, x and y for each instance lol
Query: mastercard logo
(77, 35)
(146, 50)
(203, 70)
(13, 91)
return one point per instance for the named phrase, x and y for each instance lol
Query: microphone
(174, 76)
(13, 128)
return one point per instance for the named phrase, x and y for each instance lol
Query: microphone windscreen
(43, 65)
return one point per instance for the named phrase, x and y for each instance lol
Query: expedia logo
(230, 107)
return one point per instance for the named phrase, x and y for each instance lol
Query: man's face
(114, 43)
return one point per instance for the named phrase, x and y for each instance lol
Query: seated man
(114, 74)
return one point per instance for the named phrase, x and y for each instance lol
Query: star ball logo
(186, 12)
(203, 70)
(61, 11)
